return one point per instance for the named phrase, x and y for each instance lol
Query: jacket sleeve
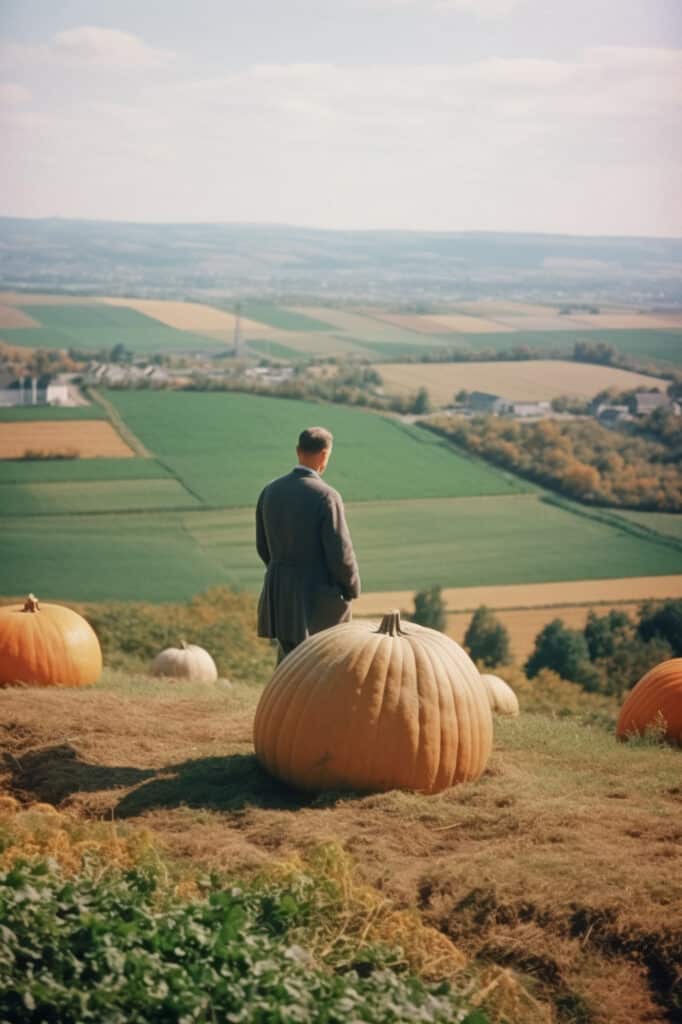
(261, 539)
(338, 547)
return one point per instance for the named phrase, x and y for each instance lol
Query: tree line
(608, 656)
(639, 469)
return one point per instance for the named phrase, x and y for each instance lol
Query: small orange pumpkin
(657, 698)
(47, 645)
(372, 707)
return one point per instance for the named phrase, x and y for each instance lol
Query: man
(302, 537)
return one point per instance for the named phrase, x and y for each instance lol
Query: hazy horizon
(504, 116)
(319, 228)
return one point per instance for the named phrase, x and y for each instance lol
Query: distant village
(66, 389)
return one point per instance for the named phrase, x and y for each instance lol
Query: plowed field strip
(532, 595)
(89, 439)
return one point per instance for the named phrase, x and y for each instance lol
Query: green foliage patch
(117, 948)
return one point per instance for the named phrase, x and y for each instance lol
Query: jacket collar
(305, 471)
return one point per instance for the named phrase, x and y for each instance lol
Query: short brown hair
(315, 439)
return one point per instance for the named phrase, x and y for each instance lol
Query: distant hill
(410, 270)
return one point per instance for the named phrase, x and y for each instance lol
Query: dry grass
(10, 316)
(531, 595)
(89, 439)
(560, 863)
(192, 316)
(526, 380)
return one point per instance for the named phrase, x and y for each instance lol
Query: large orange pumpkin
(47, 645)
(368, 706)
(656, 699)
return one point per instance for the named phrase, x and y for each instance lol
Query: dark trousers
(283, 649)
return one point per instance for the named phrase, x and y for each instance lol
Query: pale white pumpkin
(189, 661)
(503, 700)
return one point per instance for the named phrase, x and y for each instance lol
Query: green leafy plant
(119, 947)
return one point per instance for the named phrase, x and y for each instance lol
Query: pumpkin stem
(390, 624)
(183, 644)
(31, 604)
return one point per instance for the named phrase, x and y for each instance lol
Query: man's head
(314, 448)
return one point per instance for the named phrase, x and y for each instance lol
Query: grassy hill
(553, 881)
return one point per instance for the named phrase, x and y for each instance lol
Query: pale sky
(447, 115)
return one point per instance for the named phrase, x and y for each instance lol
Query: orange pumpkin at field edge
(47, 645)
(370, 707)
(657, 698)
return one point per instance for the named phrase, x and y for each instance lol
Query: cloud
(88, 47)
(590, 143)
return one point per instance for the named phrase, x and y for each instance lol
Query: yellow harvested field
(532, 595)
(195, 317)
(524, 624)
(549, 322)
(630, 321)
(470, 324)
(495, 307)
(420, 324)
(11, 316)
(526, 380)
(89, 439)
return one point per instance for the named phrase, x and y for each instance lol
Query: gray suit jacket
(312, 574)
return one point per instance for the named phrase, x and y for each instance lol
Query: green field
(57, 498)
(18, 413)
(225, 447)
(667, 523)
(122, 556)
(420, 511)
(283, 319)
(660, 345)
(663, 346)
(400, 545)
(274, 350)
(28, 471)
(97, 326)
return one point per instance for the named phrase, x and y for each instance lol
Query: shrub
(429, 608)
(662, 622)
(486, 638)
(565, 651)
